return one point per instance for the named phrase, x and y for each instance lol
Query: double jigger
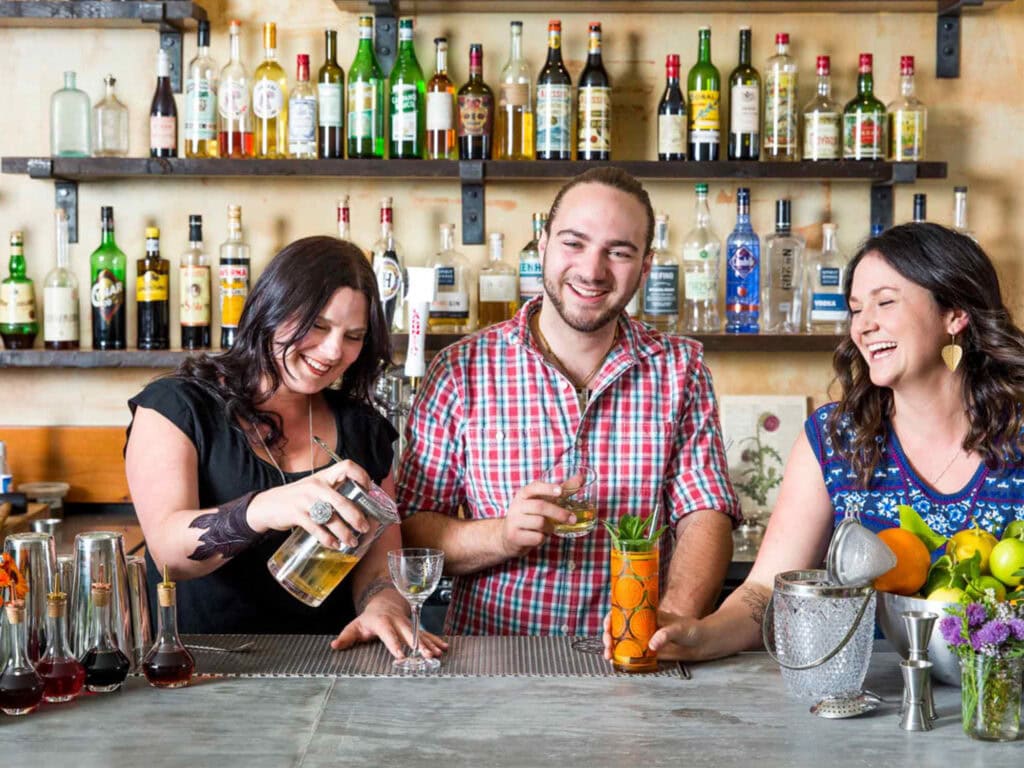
(918, 710)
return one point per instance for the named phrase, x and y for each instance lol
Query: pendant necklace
(582, 390)
(271, 456)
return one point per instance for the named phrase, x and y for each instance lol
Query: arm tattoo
(756, 601)
(374, 587)
(227, 532)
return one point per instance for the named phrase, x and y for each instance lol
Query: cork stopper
(100, 594)
(56, 601)
(165, 591)
(15, 611)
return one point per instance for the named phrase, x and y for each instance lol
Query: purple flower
(1017, 628)
(949, 626)
(976, 615)
(993, 633)
(747, 456)
(771, 422)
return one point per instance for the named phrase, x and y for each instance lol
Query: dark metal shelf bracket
(882, 198)
(947, 39)
(471, 174)
(66, 197)
(385, 33)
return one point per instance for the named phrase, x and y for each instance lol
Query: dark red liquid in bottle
(63, 679)
(169, 669)
(105, 670)
(20, 693)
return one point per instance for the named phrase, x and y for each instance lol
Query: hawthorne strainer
(856, 556)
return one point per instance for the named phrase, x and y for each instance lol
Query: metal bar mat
(467, 656)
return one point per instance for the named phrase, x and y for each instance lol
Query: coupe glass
(415, 573)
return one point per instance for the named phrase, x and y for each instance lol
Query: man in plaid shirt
(570, 371)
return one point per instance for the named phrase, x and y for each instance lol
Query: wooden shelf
(98, 13)
(412, 7)
(171, 358)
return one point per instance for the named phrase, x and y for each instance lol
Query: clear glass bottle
(270, 100)
(108, 270)
(234, 103)
(153, 296)
(110, 124)
(441, 107)
(783, 274)
(826, 305)
(61, 324)
(702, 255)
(554, 102)
(365, 98)
(744, 105)
(908, 118)
(920, 208)
(513, 123)
(344, 219)
(594, 104)
(742, 271)
(498, 282)
(21, 687)
(194, 289)
(163, 112)
(449, 312)
(168, 664)
(18, 323)
(672, 114)
(704, 92)
(106, 666)
(864, 121)
(201, 99)
(476, 110)
(960, 212)
(389, 268)
(302, 120)
(823, 138)
(407, 92)
(531, 270)
(661, 291)
(781, 129)
(330, 89)
(234, 274)
(63, 675)
(69, 120)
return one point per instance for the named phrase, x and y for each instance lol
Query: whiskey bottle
(18, 324)
(152, 296)
(407, 92)
(823, 118)
(513, 125)
(781, 129)
(60, 295)
(449, 312)
(672, 114)
(201, 99)
(163, 113)
(365, 98)
(864, 119)
(704, 95)
(783, 274)
(594, 122)
(234, 103)
(744, 105)
(302, 121)
(531, 271)
(476, 110)
(554, 102)
(661, 292)
(330, 89)
(233, 271)
(441, 106)
(270, 100)
(498, 297)
(908, 119)
(107, 266)
(194, 289)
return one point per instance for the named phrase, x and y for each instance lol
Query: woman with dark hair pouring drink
(932, 379)
(221, 461)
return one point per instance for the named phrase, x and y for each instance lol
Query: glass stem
(415, 631)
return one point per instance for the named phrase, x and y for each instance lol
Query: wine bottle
(365, 98)
(554, 102)
(594, 122)
(407, 91)
(476, 110)
(744, 105)
(330, 85)
(704, 86)
(60, 296)
(441, 106)
(672, 114)
(163, 114)
(270, 100)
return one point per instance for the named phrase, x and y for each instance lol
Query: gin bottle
(826, 305)
(661, 293)
(69, 120)
(702, 249)
(531, 270)
(908, 118)
(449, 312)
(60, 296)
(110, 124)
(783, 274)
(499, 287)
(743, 271)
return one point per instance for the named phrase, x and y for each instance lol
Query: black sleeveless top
(241, 596)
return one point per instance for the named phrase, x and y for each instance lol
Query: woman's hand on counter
(386, 616)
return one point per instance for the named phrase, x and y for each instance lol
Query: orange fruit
(645, 567)
(643, 625)
(618, 623)
(912, 563)
(628, 592)
(627, 650)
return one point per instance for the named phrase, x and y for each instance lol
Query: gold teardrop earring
(952, 354)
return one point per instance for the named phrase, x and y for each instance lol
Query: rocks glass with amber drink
(576, 480)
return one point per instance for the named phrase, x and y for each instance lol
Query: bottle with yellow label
(152, 295)
(908, 118)
(704, 84)
(194, 289)
(234, 277)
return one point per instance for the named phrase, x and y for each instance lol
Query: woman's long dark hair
(959, 276)
(296, 285)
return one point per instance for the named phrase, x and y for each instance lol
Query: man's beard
(587, 326)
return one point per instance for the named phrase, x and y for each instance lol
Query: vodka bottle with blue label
(450, 311)
(743, 271)
(783, 274)
(826, 305)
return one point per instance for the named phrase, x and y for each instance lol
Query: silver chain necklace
(312, 465)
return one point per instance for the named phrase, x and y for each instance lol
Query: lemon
(946, 594)
(964, 544)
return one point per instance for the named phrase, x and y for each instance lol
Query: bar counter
(731, 712)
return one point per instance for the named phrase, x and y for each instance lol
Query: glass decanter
(110, 124)
(21, 687)
(63, 675)
(106, 666)
(168, 663)
(69, 120)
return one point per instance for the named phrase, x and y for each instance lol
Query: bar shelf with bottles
(666, 6)
(97, 13)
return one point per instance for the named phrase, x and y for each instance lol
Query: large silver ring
(320, 512)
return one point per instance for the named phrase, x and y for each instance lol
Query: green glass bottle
(705, 87)
(365, 98)
(107, 270)
(330, 85)
(864, 118)
(744, 105)
(408, 94)
(18, 324)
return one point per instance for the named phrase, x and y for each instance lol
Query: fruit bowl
(945, 663)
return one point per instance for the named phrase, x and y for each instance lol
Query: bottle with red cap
(672, 114)
(864, 118)
(302, 113)
(780, 134)
(822, 118)
(908, 118)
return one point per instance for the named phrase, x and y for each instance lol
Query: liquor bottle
(920, 208)
(960, 212)
(168, 664)
(194, 289)
(107, 266)
(106, 666)
(18, 324)
(63, 675)
(234, 103)
(449, 312)
(743, 271)
(153, 296)
(823, 118)
(365, 98)
(234, 273)
(783, 274)
(388, 267)
(69, 120)
(864, 119)
(270, 100)
(330, 87)
(21, 687)
(531, 269)
(407, 92)
(635, 304)
(441, 106)
(110, 124)
(302, 120)
(514, 119)
(554, 102)
(704, 94)
(594, 102)
(344, 222)
(498, 283)
(476, 110)
(781, 129)
(661, 292)
(6, 486)
(702, 249)
(201, 99)
(672, 114)
(163, 114)
(824, 277)
(60, 295)
(908, 118)
(744, 105)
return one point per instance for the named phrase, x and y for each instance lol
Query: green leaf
(913, 522)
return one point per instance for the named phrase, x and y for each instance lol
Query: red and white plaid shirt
(493, 414)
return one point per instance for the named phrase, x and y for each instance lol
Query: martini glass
(415, 573)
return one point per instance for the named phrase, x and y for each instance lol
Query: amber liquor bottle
(476, 110)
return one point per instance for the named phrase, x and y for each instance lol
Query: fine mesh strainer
(856, 556)
(837, 707)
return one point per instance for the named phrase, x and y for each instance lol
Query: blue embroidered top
(992, 498)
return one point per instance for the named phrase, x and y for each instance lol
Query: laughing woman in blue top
(932, 379)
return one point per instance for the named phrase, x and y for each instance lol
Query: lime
(1015, 530)
(1006, 560)
(976, 589)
